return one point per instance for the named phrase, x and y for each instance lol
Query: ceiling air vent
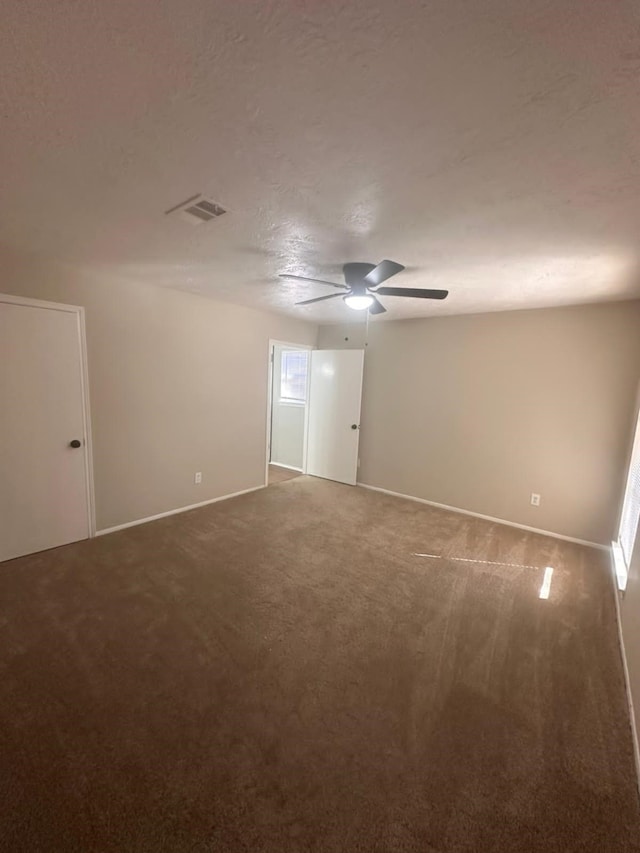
(197, 210)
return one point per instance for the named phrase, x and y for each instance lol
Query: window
(293, 376)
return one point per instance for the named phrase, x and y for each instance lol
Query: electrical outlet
(535, 499)
(198, 478)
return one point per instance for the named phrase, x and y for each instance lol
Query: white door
(44, 491)
(334, 414)
(625, 545)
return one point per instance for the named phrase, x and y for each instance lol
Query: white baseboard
(486, 517)
(175, 511)
(288, 467)
(625, 669)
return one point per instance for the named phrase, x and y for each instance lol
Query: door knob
(75, 443)
(354, 426)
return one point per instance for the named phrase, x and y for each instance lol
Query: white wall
(479, 411)
(178, 384)
(287, 438)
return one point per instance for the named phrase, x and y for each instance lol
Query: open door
(335, 392)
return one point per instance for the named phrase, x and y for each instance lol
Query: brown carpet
(277, 474)
(279, 673)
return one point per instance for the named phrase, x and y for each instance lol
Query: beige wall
(479, 411)
(178, 384)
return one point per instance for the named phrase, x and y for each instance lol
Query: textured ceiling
(493, 148)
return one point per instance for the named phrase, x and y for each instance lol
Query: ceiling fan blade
(382, 272)
(315, 280)
(319, 299)
(415, 292)
(376, 307)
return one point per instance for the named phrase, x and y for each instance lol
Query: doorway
(625, 544)
(46, 498)
(288, 411)
(313, 417)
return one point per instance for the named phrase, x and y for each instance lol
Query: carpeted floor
(278, 474)
(279, 673)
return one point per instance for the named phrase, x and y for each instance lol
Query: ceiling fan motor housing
(354, 276)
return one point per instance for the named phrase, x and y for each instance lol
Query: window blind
(293, 375)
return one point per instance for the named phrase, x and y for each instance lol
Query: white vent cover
(197, 210)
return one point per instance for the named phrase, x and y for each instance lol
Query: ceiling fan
(363, 286)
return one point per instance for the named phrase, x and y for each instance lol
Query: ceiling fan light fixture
(359, 302)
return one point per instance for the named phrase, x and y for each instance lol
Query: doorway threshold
(278, 474)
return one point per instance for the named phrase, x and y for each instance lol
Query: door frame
(78, 310)
(272, 344)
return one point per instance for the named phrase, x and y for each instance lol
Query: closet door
(44, 486)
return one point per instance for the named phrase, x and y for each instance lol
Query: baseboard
(288, 467)
(625, 670)
(175, 511)
(486, 517)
